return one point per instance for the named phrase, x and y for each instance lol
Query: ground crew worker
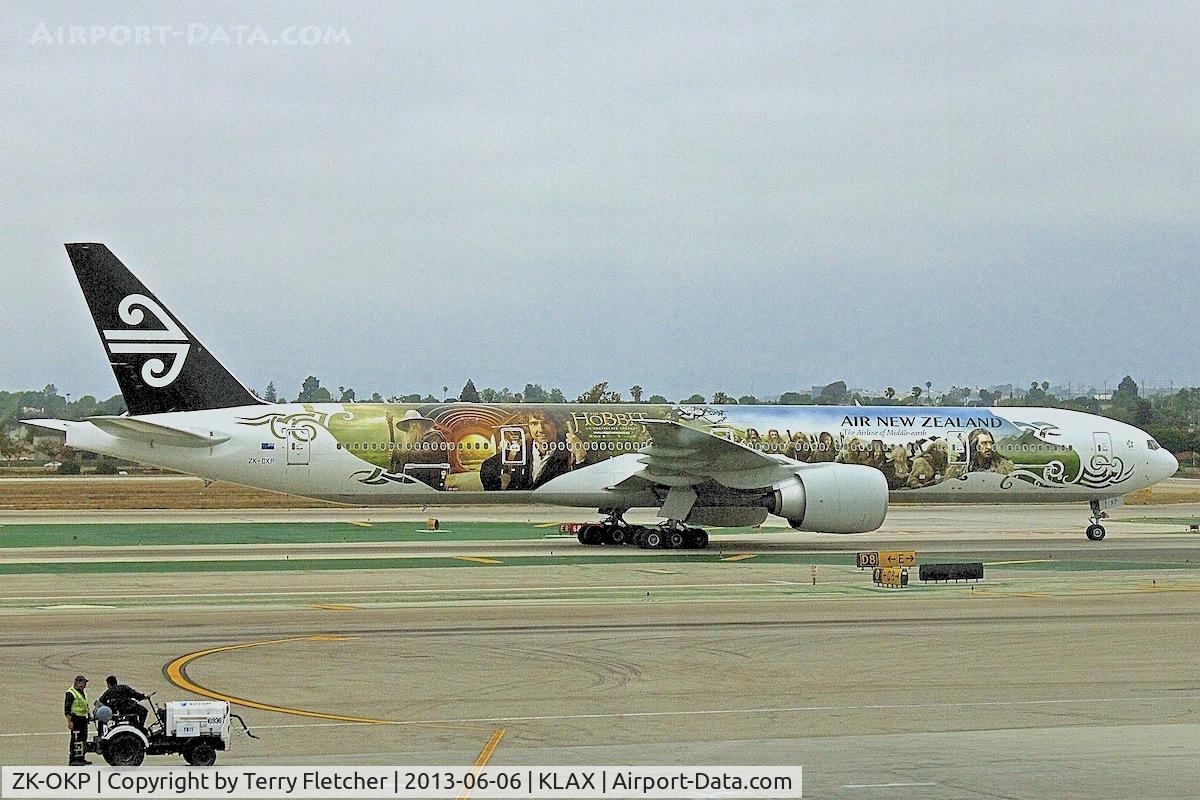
(75, 708)
(124, 700)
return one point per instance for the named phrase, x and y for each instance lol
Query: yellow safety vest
(79, 705)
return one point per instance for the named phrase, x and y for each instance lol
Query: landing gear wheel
(618, 536)
(124, 750)
(591, 535)
(652, 540)
(676, 540)
(698, 539)
(200, 754)
(1095, 532)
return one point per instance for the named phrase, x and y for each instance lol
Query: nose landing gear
(1095, 531)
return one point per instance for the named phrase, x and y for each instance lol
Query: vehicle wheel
(200, 754)
(124, 750)
(1095, 532)
(653, 539)
(699, 539)
(618, 536)
(675, 539)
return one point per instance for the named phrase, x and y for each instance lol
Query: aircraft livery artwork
(476, 447)
(823, 469)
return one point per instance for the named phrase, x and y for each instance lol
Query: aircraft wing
(683, 456)
(157, 433)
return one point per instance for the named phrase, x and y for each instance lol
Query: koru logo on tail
(166, 341)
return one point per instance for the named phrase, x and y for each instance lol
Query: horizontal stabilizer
(157, 433)
(58, 425)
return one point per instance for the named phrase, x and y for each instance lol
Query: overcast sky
(751, 198)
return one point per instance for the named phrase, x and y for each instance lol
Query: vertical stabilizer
(159, 365)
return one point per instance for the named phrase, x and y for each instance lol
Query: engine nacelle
(833, 498)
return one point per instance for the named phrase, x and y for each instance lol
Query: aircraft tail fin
(160, 366)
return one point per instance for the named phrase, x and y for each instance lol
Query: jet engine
(832, 498)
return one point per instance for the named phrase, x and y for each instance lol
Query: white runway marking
(714, 712)
(319, 592)
(882, 785)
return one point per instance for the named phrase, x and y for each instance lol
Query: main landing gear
(614, 531)
(1095, 531)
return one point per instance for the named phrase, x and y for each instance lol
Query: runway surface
(1070, 671)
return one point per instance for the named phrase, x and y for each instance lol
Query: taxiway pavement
(1070, 671)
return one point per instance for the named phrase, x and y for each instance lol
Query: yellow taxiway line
(333, 607)
(360, 523)
(484, 757)
(176, 672)
(741, 557)
(479, 559)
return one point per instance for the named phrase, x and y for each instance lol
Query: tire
(699, 539)
(618, 536)
(1095, 532)
(653, 539)
(124, 750)
(590, 535)
(200, 753)
(676, 540)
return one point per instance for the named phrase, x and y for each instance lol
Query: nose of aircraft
(1165, 464)
(1171, 463)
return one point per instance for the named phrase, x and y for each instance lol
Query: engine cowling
(833, 498)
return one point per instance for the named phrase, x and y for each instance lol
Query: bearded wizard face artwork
(984, 457)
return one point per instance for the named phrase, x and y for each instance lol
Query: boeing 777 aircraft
(826, 469)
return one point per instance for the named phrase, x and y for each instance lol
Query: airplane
(830, 469)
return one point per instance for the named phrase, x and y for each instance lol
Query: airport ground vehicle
(195, 729)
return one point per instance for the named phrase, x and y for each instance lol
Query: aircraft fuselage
(575, 455)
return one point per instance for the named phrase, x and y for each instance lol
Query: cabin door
(1104, 445)
(512, 445)
(299, 441)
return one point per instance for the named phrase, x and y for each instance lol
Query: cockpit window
(1153, 445)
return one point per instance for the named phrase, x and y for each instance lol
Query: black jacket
(121, 698)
